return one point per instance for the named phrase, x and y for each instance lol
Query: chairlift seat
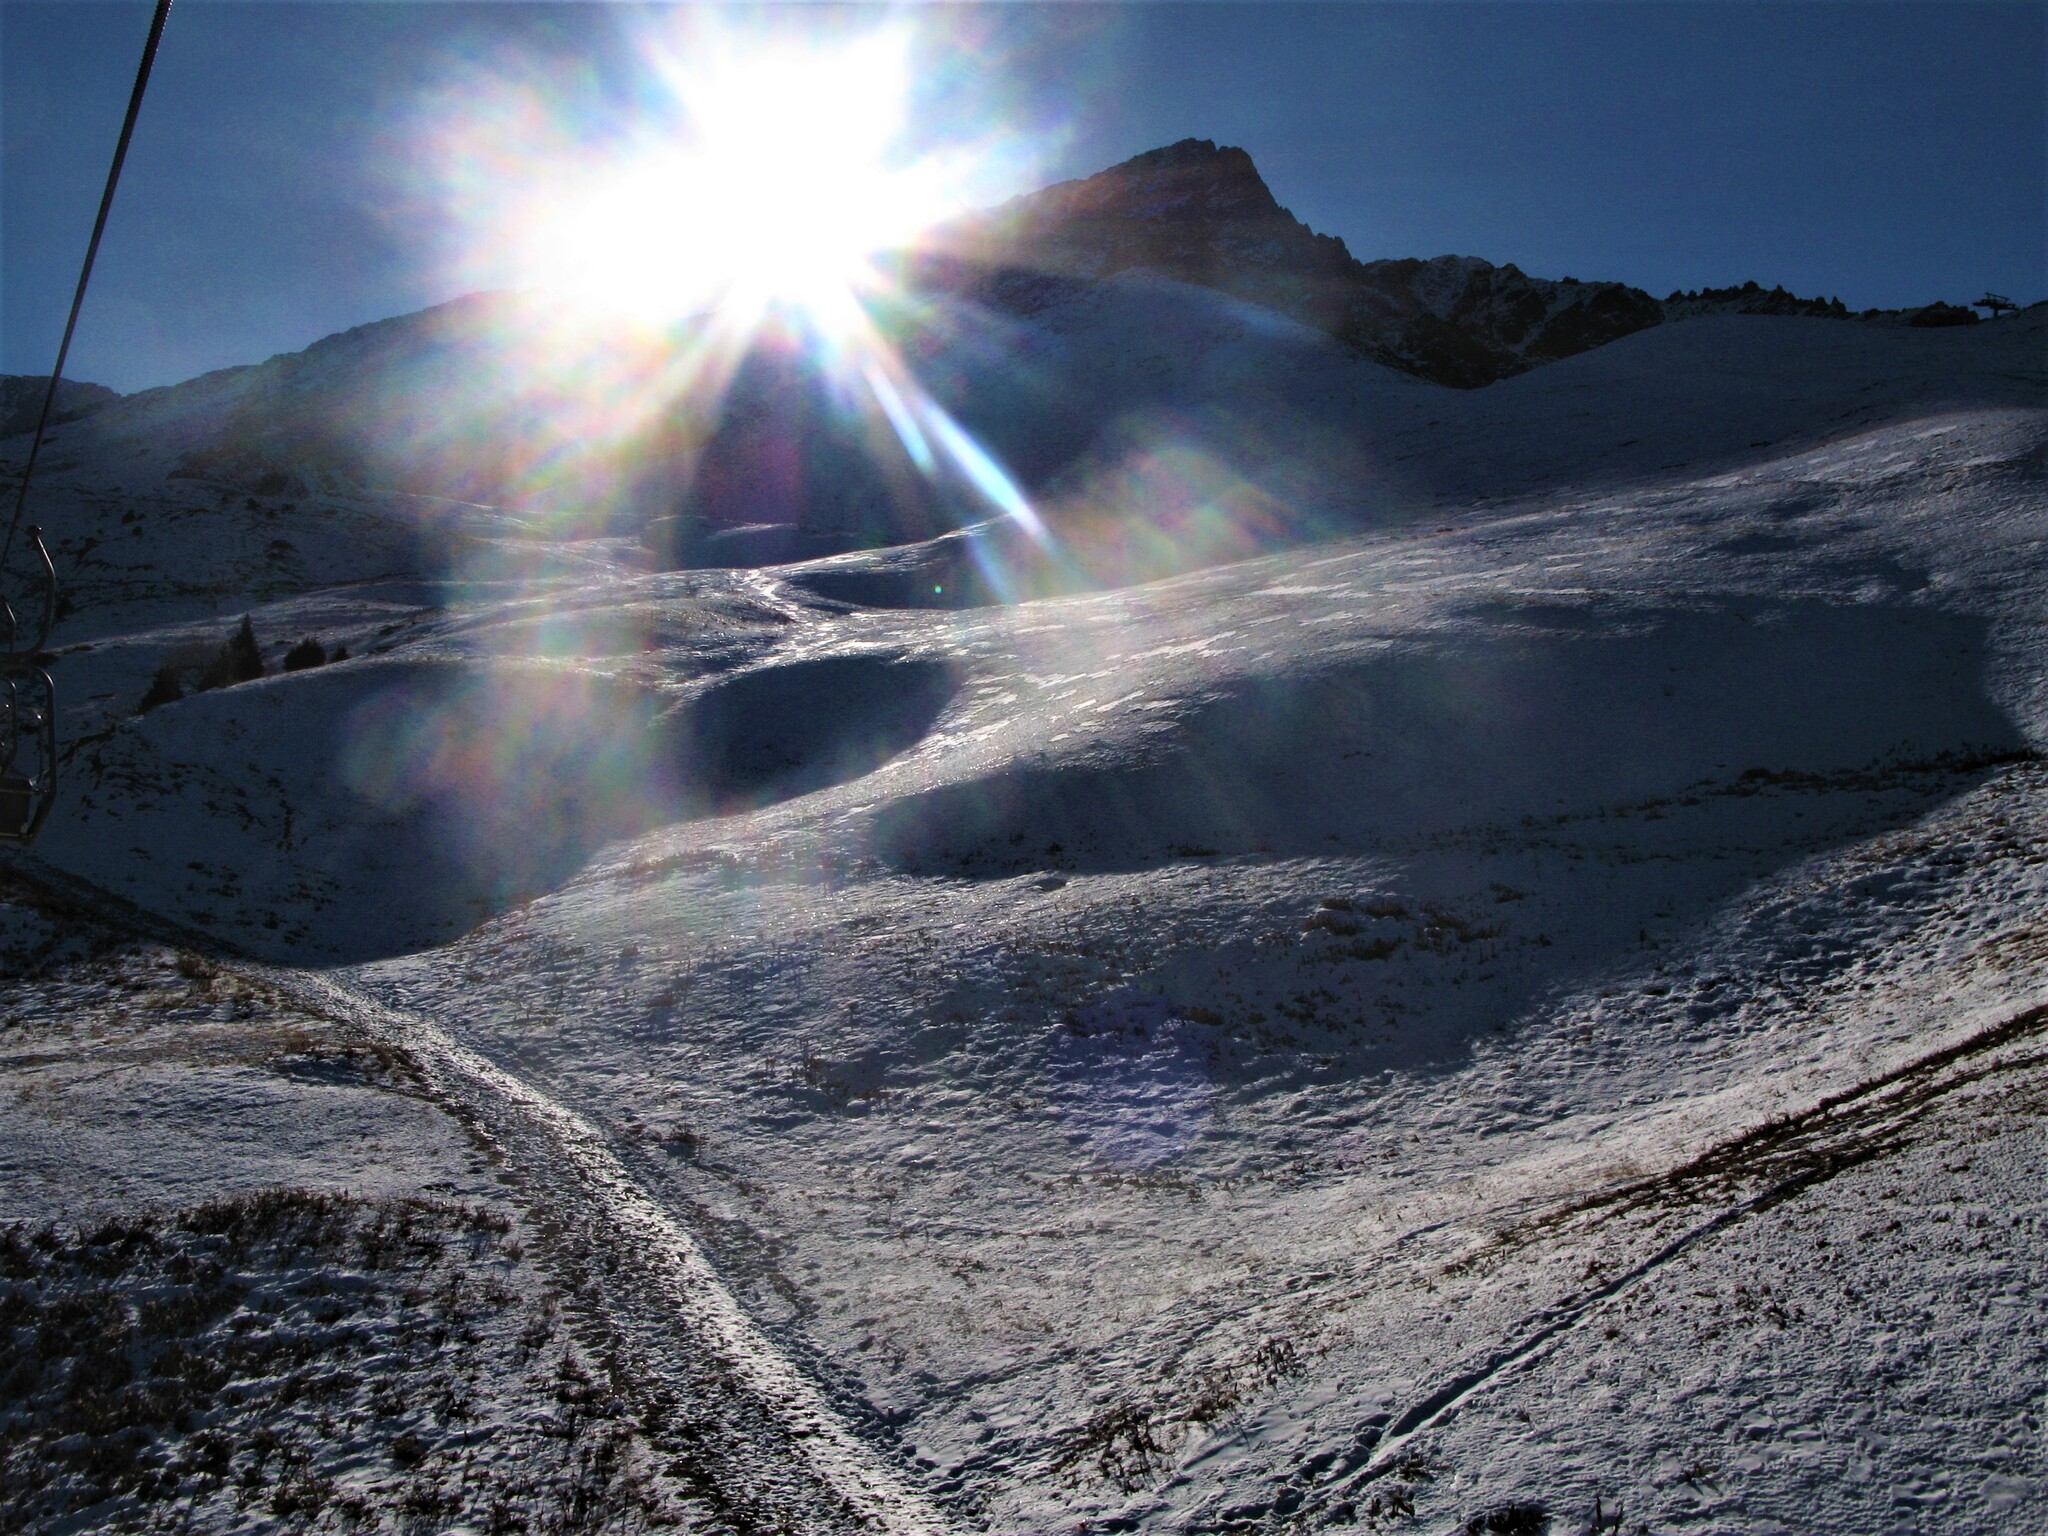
(17, 807)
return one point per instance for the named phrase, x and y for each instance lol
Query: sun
(749, 175)
(788, 168)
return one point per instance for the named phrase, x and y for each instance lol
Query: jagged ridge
(1200, 213)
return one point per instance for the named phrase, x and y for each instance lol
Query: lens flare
(727, 188)
(785, 178)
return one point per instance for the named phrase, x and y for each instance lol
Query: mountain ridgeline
(1058, 328)
(21, 401)
(1202, 214)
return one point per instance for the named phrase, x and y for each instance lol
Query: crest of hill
(1168, 297)
(21, 400)
(1750, 298)
(1202, 214)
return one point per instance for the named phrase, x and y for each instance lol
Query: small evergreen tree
(164, 688)
(247, 655)
(239, 660)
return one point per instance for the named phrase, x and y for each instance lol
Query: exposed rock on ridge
(1202, 214)
(1750, 298)
(21, 400)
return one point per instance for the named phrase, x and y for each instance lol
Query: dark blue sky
(1888, 154)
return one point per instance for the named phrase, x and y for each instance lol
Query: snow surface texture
(1526, 1008)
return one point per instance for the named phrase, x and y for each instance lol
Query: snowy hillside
(1456, 960)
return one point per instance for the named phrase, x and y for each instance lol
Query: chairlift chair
(28, 714)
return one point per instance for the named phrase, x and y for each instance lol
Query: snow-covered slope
(1509, 987)
(1714, 393)
(446, 439)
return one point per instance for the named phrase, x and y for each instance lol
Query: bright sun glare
(745, 177)
(789, 172)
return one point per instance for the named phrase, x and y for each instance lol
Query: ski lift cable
(92, 250)
(28, 699)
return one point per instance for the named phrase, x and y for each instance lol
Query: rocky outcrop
(1202, 214)
(1750, 298)
(21, 400)
(1941, 314)
(1474, 322)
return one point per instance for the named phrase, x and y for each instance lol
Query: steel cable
(92, 250)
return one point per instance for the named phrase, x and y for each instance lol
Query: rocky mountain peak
(1192, 182)
(1192, 211)
(1201, 213)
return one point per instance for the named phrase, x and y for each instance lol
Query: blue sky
(1888, 154)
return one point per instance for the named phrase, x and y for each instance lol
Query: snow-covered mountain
(1423, 959)
(1170, 295)
(1158, 426)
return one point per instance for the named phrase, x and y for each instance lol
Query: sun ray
(754, 183)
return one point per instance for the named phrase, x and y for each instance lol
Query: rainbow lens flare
(752, 184)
